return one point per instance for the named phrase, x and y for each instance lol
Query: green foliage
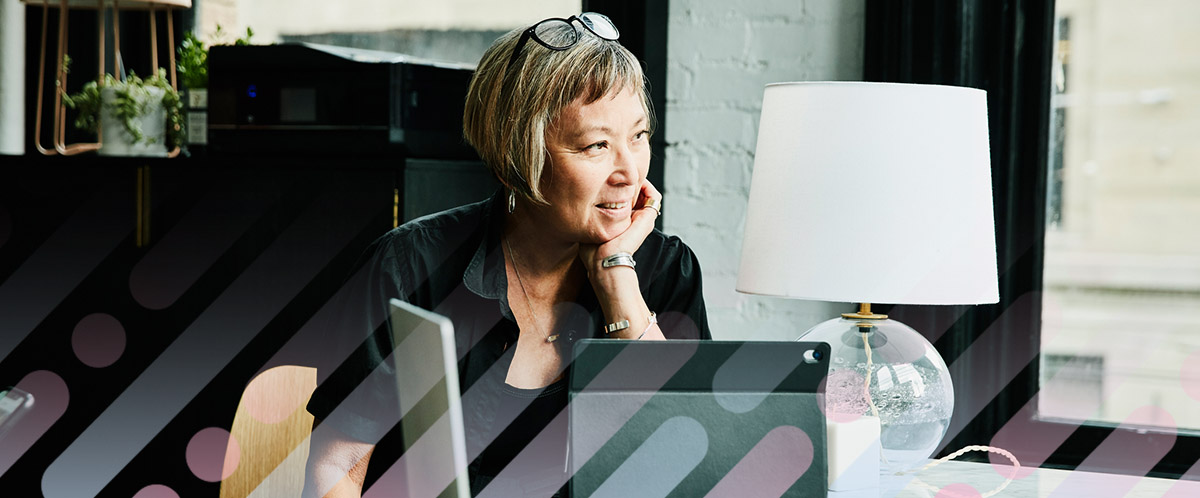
(174, 106)
(132, 99)
(87, 101)
(192, 62)
(245, 40)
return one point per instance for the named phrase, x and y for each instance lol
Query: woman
(567, 250)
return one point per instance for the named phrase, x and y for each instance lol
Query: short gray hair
(509, 110)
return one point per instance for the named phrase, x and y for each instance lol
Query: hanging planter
(135, 117)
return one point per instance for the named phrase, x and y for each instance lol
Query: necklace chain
(513, 255)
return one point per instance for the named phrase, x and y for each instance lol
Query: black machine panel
(302, 98)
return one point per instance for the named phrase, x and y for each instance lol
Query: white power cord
(947, 458)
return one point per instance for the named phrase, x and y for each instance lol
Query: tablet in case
(697, 418)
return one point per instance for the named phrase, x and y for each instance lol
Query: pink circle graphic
(156, 491)
(1151, 415)
(958, 490)
(266, 399)
(213, 454)
(1189, 375)
(98, 340)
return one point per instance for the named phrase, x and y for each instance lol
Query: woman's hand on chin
(592, 255)
(617, 287)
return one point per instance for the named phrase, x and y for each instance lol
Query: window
(1089, 360)
(449, 30)
(1121, 274)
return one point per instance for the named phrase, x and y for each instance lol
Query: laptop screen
(434, 462)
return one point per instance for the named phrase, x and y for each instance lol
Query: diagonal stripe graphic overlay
(300, 347)
(764, 369)
(50, 399)
(1184, 488)
(412, 389)
(981, 354)
(183, 255)
(419, 472)
(206, 346)
(427, 448)
(614, 374)
(1123, 449)
(308, 347)
(770, 468)
(610, 414)
(60, 264)
(1034, 440)
(538, 469)
(664, 460)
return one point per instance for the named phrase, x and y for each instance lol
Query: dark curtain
(1003, 47)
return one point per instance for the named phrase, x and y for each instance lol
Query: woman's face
(599, 153)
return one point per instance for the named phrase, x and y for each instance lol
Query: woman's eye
(641, 135)
(597, 146)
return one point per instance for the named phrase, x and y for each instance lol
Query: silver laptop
(14, 403)
(434, 463)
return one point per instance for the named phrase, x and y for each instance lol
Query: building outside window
(446, 30)
(1120, 341)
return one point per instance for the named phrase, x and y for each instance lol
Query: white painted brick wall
(720, 54)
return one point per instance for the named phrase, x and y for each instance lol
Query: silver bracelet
(616, 326)
(619, 259)
(653, 319)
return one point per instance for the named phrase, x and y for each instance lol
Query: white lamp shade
(871, 192)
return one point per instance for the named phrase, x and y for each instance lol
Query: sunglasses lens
(556, 33)
(601, 25)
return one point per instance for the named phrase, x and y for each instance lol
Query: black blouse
(451, 263)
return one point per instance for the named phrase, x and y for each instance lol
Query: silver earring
(512, 201)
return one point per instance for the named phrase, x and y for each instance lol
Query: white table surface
(1034, 482)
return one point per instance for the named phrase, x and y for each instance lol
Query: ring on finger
(655, 204)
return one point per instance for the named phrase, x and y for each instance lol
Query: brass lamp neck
(864, 313)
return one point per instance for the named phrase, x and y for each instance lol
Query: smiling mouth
(612, 205)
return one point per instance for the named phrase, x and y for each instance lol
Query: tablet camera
(813, 356)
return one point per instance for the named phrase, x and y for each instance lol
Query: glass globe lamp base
(884, 368)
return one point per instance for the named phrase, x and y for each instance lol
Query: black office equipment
(318, 99)
(697, 418)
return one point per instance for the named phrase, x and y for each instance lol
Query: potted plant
(192, 68)
(192, 62)
(135, 116)
(191, 65)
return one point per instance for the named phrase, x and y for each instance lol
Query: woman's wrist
(614, 283)
(621, 300)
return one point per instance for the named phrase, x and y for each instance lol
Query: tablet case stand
(697, 418)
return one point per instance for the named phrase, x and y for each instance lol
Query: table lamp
(875, 193)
